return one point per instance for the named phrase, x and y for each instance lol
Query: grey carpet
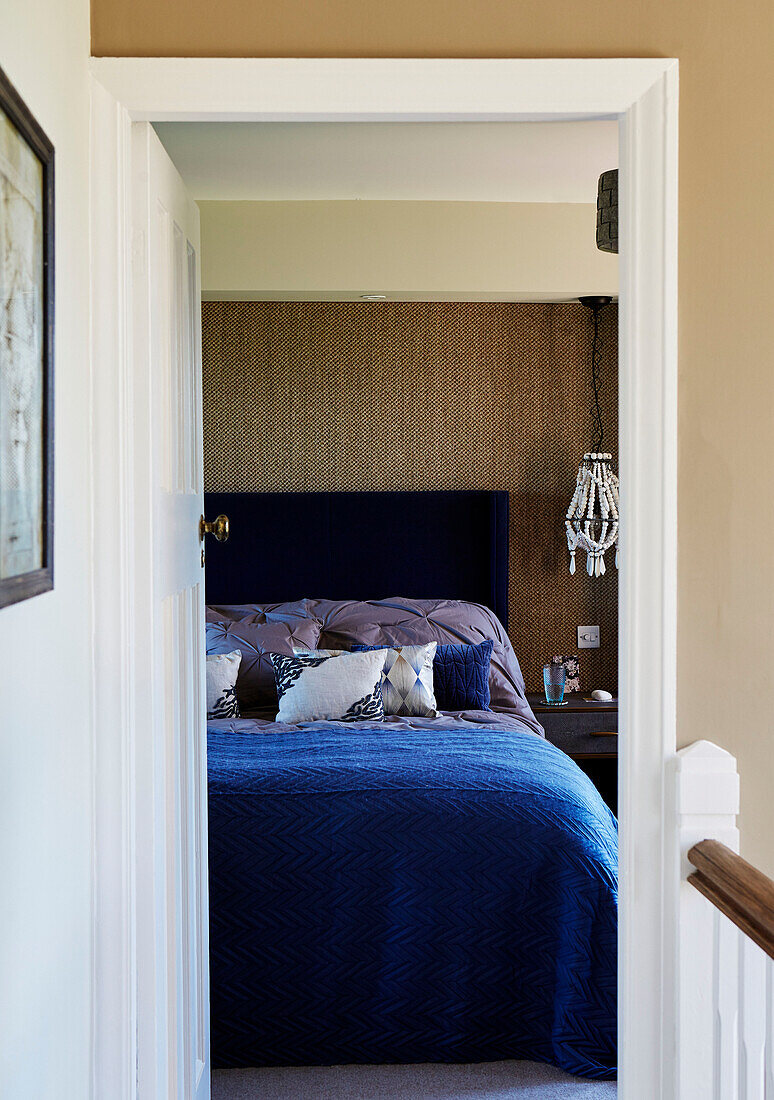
(485, 1081)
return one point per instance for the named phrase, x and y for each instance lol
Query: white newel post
(707, 802)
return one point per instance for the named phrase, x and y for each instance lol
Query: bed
(411, 890)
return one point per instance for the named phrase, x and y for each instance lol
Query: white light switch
(588, 637)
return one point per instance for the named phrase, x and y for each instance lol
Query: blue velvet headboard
(360, 546)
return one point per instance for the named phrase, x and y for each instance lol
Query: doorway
(643, 94)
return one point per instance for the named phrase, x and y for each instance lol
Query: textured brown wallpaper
(415, 395)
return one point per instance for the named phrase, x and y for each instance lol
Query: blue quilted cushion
(460, 675)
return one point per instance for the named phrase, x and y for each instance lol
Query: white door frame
(642, 94)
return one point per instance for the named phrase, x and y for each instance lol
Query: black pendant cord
(596, 415)
(595, 304)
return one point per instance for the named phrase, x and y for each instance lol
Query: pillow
(407, 678)
(255, 640)
(222, 672)
(346, 688)
(462, 676)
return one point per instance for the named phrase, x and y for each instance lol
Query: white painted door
(171, 825)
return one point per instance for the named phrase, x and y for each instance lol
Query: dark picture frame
(16, 586)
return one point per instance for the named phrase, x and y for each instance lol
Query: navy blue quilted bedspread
(391, 895)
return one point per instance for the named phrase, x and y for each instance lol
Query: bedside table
(588, 732)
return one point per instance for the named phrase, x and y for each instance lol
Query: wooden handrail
(736, 888)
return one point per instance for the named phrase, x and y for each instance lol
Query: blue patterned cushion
(461, 675)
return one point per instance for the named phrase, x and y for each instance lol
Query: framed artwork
(26, 352)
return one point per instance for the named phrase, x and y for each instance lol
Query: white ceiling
(446, 162)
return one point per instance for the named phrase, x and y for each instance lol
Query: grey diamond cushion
(407, 679)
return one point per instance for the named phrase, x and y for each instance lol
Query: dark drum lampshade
(607, 211)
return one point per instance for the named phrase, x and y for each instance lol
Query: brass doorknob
(217, 527)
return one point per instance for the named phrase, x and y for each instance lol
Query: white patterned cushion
(222, 669)
(343, 688)
(407, 679)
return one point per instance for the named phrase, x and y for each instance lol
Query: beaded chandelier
(591, 522)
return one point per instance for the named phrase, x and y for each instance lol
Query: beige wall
(726, 477)
(46, 773)
(318, 250)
